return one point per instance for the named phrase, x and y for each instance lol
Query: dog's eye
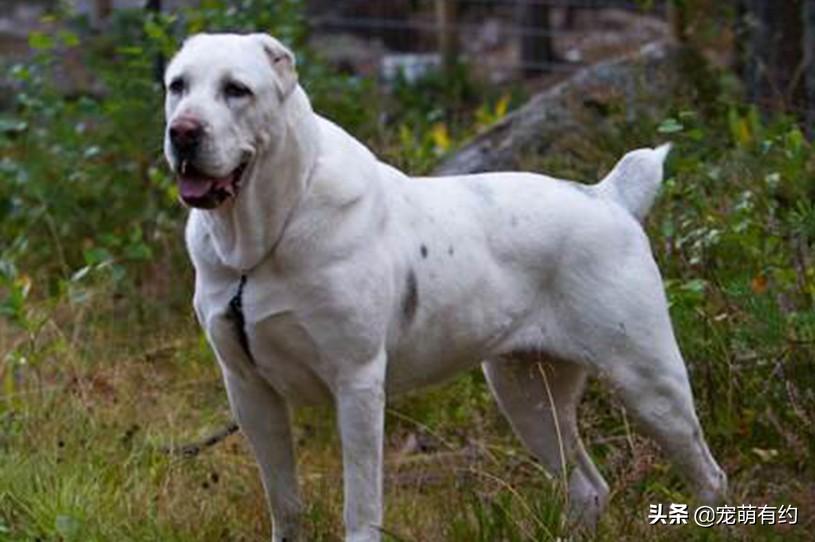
(236, 90)
(176, 86)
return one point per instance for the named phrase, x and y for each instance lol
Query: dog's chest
(255, 327)
(285, 355)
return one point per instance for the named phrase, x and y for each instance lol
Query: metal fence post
(536, 41)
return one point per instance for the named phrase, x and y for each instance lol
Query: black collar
(235, 314)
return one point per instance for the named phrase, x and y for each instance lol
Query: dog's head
(224, 99)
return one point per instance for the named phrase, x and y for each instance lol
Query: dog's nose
(186, 134)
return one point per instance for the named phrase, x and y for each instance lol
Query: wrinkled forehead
(218, 56)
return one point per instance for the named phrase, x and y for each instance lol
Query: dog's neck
(245, 231)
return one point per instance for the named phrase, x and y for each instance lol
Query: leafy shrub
(84, 193)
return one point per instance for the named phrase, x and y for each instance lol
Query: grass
(82, 438)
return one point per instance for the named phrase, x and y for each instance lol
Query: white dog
(323, 274)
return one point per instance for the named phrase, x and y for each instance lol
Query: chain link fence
(769, 44)
(503, 38)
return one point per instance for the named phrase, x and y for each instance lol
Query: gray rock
(639, 80)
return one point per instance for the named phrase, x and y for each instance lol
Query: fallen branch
(194, 448)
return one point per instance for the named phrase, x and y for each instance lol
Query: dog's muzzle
(196, 188)
(199, 190)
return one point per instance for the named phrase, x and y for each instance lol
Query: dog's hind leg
(615, 319)
(539, 399)
(655, 388)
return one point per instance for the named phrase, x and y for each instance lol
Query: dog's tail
(635, 180)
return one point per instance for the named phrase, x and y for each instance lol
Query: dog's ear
(283, 63)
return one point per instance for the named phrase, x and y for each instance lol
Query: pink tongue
(194, 187)
(197, 186)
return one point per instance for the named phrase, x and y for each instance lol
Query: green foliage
(431, 116)
(83, 189)
(80, 187)
(285, 19)
(735, 224)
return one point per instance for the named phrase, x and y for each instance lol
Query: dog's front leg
(361, 417)
(263, 416)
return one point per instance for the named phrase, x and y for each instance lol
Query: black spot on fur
(410, 297)
(450, 250)
(424, 251)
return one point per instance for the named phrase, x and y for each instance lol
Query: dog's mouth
(202, 191)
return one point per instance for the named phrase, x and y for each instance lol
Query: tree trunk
(447, 32)
(678, 20)
(159, 63)
(809, 64)
(773, 67)
(102, 10)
